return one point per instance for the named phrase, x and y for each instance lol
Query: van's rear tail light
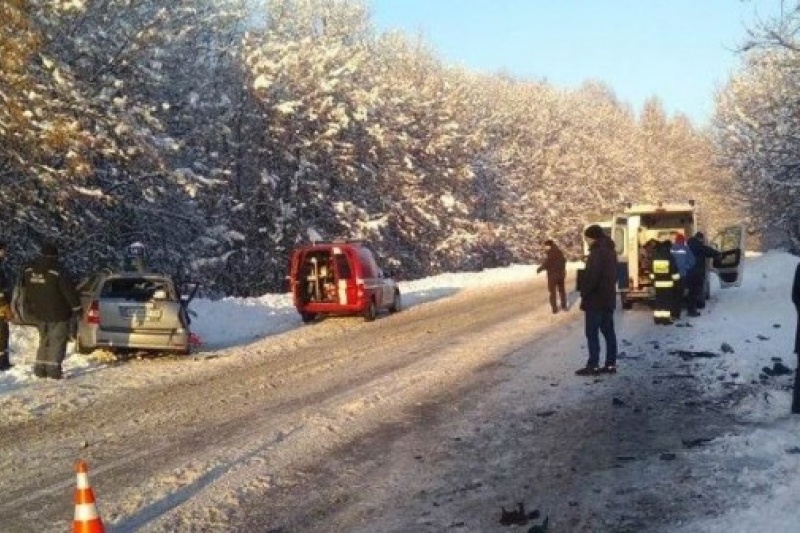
(93, 313)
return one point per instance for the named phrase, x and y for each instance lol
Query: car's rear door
(139, 304)
(89, 287)
(387, 288)
(729, 266)
(346, 289)
(373, 277)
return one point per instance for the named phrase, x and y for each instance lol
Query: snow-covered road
(428, 420)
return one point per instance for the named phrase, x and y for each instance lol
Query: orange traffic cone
(87, 520)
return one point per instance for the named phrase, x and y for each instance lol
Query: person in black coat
(598, 299)
(5, 310)
(556, 266)
(697, 274)
(796, 301)
(51, 299)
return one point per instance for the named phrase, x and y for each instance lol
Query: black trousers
(663, 304)
(696, 298)
(796, 391)
(677, 299)
(52, 350)
(557, 292)
(5, 362)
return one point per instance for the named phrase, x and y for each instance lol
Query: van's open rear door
(729, 266)
(619, 234)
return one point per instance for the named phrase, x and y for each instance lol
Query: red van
(340, 278)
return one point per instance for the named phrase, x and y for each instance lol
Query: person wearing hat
(684, 259)
(5, 310)
(556, 266)
(598, 299)
(51, 300)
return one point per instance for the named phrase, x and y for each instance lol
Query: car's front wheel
(307, 318)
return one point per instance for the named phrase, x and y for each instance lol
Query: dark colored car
(340, 278)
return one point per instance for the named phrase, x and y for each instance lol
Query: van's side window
(368, 263)
(343, 266)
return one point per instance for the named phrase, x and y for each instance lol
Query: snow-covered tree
(156, 74)
(220, 136)
(756, 125)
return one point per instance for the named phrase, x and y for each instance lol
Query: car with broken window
(133, 310)
(340, 278)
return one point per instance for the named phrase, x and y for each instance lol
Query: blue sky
(678, 50)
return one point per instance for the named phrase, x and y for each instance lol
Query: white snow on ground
(757, 320)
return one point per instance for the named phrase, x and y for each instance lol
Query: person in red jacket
(598, 299)
(556, 266)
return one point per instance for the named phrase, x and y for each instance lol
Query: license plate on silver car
(141, 313)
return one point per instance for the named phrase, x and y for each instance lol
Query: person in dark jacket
(556, 266)
(51, 299)
(598, 299)
(796, 301)
(6, 288)
(685, 261)
(646, 256)
(697, 275)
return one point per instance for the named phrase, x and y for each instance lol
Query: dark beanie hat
(594, 232)
(549, 242)
(49, 248)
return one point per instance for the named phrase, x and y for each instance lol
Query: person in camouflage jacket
(52, 300)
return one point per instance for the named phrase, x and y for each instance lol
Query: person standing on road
(697, 275)
(5, 310)
(796, 301)
(598, 299)
(664, 275)
(685, 262)
(556, 266)
(646, 256)
(52, 300)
